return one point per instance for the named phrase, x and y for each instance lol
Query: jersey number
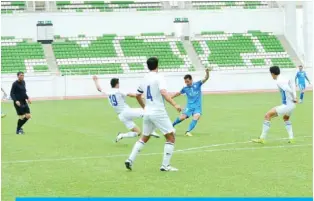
(149, 95)
(113, 100)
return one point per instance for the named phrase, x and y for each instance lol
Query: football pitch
(68, 150)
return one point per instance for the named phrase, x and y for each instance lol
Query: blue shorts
(301, 87)
(191, 111)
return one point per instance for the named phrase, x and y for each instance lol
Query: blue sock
(301, 95)
(177, 121)
(192, 125)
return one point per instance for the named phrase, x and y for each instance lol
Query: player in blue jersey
(193, 92)
(300, 79)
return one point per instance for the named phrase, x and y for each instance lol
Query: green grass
(68, 150)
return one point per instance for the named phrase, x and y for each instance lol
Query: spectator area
(254, 49)
(21, 55)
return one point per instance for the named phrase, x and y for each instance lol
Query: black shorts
(23, 109)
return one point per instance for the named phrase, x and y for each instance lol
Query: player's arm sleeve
(200, 83)
(12, 93)
(288, 89)
(162, 83)
(139, 90)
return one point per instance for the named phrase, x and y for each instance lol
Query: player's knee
(197, 116)
(145, 138)
(183, 117)
(21, 117)
(28, 116)
(286, 118)
(170, 138)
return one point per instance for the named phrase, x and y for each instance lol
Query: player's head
(20, 75)
(114, 83)
(152, 64)
(300, 67)
(274, 71)
(188, 79)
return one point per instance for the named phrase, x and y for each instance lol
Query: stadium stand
(8, 7)
(107, 6)
(21, 55)
(240, 50)
(210, 5)
(110, 54)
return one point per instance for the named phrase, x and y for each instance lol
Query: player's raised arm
(206, 75)
(95, 78)
(307, 78)
(139, 97)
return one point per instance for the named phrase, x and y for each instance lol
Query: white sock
(128, 135)
(168, 150)
(288, 126)
(136, 149)
(266, 126)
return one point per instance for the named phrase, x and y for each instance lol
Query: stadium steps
(293, 55)
(50, 57)
(192, 55)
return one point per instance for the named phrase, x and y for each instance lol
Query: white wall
(226, 81)
(127, 23)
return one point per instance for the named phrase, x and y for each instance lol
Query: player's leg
(163, 123)
(23, 112)
(196, 116)
(266, 124)
(181, 118)
(288, 126)
(148, 128)
(302, 88)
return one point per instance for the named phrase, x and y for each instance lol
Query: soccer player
(288, 94)
(20, 101)
(193, 91)
(3, 97)
(126, 114)
(154, 89)
(300, 77)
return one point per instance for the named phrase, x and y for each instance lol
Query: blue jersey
(301, 76)
(193, 94)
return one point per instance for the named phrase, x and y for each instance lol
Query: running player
(193, 91)
(289, 100)
(126, 114)
(300, 79)
(154, 89)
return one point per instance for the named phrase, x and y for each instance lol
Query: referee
(20, 101)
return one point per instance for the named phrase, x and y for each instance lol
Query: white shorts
(159, 120)
(285, 109)
(127, 116)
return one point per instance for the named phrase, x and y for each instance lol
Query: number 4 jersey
(116, 99)
(150, 86)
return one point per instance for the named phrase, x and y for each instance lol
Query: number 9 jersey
(116, 99)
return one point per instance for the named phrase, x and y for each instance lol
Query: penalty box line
(181, 151)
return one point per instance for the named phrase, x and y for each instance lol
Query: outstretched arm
(168, 98)
(176, 95)
(207, 75)
(95, 78)
(307, 79)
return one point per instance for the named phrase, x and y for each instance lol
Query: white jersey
(116, 98)
(150, 87)
(286, 89)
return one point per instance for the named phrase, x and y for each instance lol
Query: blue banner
(164, 199)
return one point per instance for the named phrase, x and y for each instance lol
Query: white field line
(188, 150)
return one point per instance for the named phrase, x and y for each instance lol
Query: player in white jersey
(116, 98)
(289, 99)
(154, 89)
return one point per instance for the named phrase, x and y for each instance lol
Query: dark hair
(300, 66)
(188, 76)
(114, 82)
(152, 63)
(19, 73)
(274, 70)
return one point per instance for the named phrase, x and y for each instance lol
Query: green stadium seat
(18, 55)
